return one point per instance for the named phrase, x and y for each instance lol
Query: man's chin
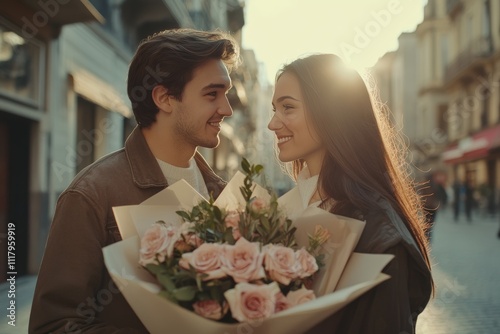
(211, 144)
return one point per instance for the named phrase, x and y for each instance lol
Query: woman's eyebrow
(286, 97)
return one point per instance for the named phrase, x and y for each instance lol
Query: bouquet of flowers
(245, 260)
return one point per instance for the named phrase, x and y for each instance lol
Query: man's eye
(212, 94)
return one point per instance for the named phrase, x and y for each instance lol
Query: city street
(467, 276)
(466, 272)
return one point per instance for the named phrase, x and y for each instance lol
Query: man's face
(204, 105)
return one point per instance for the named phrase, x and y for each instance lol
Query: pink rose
(205, 259)
(258, 205)
(243, 261)
(307, 262)
(232, 220)
(210, 309)
(157, 243)
(250, 302)
(282, 303)
(280, 263)
(300, 296)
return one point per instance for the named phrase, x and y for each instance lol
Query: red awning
(473, 147)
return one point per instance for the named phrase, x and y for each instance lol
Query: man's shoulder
(106, 171)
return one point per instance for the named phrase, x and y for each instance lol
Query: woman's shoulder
(385, 230)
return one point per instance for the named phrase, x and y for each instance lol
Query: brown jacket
(393, 306)
(74, 292)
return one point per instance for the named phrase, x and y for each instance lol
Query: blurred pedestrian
(469, 198)
(433, 196)
(457, 198)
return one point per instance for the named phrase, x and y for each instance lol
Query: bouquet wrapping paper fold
(345, 276)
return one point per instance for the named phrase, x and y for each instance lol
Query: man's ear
(161, 98)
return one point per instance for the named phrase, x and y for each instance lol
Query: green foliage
(266, 225)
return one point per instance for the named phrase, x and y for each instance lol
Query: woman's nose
(275, 123)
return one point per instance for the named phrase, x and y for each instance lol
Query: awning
(100, 92)
(473, 147)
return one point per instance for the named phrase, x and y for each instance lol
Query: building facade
(458, 94)
(471, 82)
(63, 100)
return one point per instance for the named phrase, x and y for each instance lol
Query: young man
(177, 83)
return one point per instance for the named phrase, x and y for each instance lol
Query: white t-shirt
(191, 174)
(307, 185)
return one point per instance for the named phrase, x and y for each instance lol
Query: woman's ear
(161, 98)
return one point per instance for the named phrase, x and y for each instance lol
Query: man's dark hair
(168, 58)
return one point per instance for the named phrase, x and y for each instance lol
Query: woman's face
(297, 139)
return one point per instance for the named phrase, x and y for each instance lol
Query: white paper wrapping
(345, 276)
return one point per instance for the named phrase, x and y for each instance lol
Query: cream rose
(300, 296)
(249, 302)
(210, 309)
(307, 263)
(243, 261)
(205, 259)
(280, 263)
(157, 243)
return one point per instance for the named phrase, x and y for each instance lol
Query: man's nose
(225, 109)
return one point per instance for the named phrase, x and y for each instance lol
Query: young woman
(346, 159)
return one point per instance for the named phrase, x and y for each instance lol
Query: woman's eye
(287, 107)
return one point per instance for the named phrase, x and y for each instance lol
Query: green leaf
(216, 293)
(185, 294)
(168, 295)
(265, 223)
(166, 281)
(156, 269)
(196, 211)
(184, 215)
(245, 165)
(228, 236)
(217, 213)
(203, 296)
(258, 169)
(199, 282)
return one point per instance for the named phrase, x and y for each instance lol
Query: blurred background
(435, 64)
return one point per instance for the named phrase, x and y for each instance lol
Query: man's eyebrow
(285, 97)
(217, 86)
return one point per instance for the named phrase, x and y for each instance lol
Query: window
(20, 66)
(85, 126)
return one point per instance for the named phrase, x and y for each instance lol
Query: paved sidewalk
(467, 276)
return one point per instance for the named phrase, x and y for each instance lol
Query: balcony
(453, 7)
(467, 61)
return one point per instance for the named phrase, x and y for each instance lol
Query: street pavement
(466, 270)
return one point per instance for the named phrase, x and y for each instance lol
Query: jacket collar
(146, 172)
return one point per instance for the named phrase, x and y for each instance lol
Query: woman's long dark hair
(365, 155)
